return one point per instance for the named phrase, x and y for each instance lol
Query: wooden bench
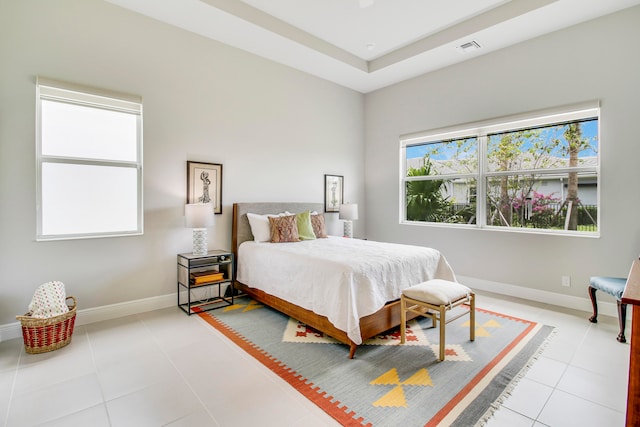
(433, 299)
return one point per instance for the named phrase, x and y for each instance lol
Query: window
(89, 162)
(536, 173)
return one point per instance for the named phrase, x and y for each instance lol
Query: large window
(89, 162)
(536, 173)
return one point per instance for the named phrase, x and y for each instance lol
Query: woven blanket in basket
(49, 300)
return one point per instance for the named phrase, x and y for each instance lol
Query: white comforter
(342, 279)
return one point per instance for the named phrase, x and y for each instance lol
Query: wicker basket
(43, 335)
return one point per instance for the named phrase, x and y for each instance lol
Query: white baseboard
(105, 312)
(113, 311)
(561, 300)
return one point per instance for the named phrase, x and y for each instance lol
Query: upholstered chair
(613, 286)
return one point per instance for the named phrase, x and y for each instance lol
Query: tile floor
(163, 368)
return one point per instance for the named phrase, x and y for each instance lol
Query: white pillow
(260, 227)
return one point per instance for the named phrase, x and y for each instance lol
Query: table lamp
(348, 212)
(199, 216)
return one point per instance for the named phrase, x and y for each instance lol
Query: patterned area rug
(388, 384)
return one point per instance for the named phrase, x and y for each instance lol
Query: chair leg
(622, 319)
(592, 294)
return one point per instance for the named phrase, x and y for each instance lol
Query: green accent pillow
(305, 229)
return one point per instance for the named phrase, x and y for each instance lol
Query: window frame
(57, 91)
(481, 130)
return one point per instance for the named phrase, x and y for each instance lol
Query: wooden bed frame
(374, 324)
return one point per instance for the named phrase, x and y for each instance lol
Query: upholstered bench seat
(434, 298)
(438, 292)
(613, 286)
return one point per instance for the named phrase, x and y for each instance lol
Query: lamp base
(200, 241)
(348, 229)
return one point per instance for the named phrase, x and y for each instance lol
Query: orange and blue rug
(388, 384)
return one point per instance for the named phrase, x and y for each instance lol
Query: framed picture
(204, 184)
(333, 192)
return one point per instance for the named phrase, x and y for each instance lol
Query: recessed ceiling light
(371, 46)
(469, 46)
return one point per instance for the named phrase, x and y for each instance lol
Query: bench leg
(472, 318)
(443, 326)
(403, 319)
(592, 294)
(622, 319)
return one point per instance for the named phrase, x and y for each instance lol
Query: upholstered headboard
(241, 231)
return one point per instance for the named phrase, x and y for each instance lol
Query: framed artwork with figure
(204, 184)
(333, 192)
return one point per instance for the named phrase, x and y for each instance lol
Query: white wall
(595, 60)
(276, 131)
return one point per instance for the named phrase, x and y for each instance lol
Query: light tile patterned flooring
(164, 368)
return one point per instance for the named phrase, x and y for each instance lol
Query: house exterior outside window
(536, 173)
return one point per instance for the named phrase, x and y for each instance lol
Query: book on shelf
(201, 277)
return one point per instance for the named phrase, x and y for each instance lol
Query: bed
(349, 289)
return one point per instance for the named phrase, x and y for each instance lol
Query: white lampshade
(348, 211)
(198, 215)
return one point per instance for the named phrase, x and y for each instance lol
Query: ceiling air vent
(469, 46)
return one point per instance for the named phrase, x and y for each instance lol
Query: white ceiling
(369, 44)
